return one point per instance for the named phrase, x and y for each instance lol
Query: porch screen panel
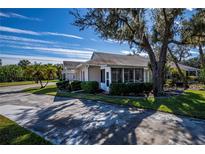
(116, 75)
(139, 75)
(128, 75)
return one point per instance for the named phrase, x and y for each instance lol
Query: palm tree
(50, 73)
(59, 68)
(23, 63)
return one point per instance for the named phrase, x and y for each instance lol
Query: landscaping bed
(190, 103)
(11, 133)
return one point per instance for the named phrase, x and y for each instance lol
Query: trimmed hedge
(90, 86)
(130, 88)
(75, 85)
(63, 85)
(118, 89)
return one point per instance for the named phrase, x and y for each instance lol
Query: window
(192, 73)
(139, 74)
(103, 75)
(116, 74)
(128, 75)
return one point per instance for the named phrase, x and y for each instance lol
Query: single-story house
(107, 68)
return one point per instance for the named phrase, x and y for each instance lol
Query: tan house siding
(94, 73)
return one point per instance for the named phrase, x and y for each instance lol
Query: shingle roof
(99, 58)
(71, 64)
(184, 67)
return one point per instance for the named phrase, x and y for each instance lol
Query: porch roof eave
(127, 66)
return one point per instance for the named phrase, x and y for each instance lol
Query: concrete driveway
(72, 121)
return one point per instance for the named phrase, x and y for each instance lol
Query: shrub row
(87, 86)
(90, 86)
(126, 89)
(75, 85)
(67, 86)
(63, 85)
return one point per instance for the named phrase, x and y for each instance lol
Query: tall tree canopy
(193, 33)
(149, 30)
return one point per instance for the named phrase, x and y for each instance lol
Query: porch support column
(134, 75)
(123, 80)
(148, 80)
(145, 75)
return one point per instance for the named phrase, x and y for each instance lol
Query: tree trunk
(158, 79)
(201, 56)
(46, 84)
(179, 70)
(41, 83)
(157, 68)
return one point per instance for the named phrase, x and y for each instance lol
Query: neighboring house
(107, 68)
(190, 71)
(69, 72)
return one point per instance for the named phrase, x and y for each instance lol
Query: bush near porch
(63, 85)
(90, 86)
(126, 89)
(87, 86)
(75, 85)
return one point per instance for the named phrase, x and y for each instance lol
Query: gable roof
(71, 64)
(99, 58)
(184, 67)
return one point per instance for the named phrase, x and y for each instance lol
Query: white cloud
(143, 54)
(126, 52)
(9, 59)
(9, 39)
(90, 49)
(92, 39)
(63, 51)
(114, 41)
(190, 9)
(22, 31)
(19, 31)
(194, 52)
(15, 38)
(60, 34)
(111, 41)
(15, 15)
(4, 15)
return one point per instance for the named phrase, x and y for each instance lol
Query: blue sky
(48, 36)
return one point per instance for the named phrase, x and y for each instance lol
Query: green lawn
(5, 84)
(11, 133)
(191, 103)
